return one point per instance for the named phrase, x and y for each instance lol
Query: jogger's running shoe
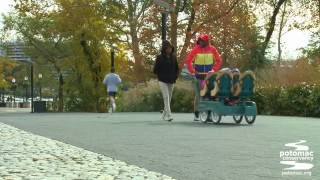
(114, 107)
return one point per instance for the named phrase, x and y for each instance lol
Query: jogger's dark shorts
(113, 94)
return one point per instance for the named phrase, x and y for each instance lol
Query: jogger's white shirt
(166, 90)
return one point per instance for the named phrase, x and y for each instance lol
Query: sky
(4, 8)
(292, 40)
(4, 5)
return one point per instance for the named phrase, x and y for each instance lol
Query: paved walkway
(182, 149)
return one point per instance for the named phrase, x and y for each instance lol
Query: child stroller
(225, 94)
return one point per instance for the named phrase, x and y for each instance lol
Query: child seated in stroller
(235, 75)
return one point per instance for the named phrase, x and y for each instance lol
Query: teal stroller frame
(220, 87)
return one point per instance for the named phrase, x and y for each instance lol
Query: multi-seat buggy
(225, 93)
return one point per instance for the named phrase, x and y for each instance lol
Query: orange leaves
(6, 71)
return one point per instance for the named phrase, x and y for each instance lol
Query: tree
(67, 36)
(272, 24)
(85, 28)
(295, 18)
(313, 49)
(49, 49)
(6, 72)
(190, 18)
(294, 14)
(201, 14)
(281, 26)
(127, 19)
(6, 75)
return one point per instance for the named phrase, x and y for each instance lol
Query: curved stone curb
(27, 156)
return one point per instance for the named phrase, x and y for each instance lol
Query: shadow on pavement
(200, 124)
(195, 124)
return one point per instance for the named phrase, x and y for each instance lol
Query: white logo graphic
(297, 166)
(298, 147)
(298, 159)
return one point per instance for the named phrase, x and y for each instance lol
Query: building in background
(15, 51)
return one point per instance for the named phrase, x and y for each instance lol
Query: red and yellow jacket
(202, 60)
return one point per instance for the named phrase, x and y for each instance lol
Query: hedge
(297, 100)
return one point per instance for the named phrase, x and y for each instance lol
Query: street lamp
(26, 86)
(14, 89)
(167, 8)
(2, 92)
(112, 55)
(40, 77)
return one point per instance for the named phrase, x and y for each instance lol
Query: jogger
(112, 80)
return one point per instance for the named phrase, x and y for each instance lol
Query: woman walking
(166, 68)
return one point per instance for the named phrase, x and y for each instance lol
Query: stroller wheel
(203, 117)
(250, 119)
(237, 119)
(216, 118)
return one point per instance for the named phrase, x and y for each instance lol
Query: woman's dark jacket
(166, 69)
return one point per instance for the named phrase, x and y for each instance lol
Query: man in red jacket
(203, 59)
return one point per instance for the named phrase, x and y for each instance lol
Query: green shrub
(298, 100)
(147, 97)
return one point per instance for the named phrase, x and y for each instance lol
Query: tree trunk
(271, 26)
(174, 24)
(280, 32)
(174, 29)
(91, 57)
(319, 11)
(60, 93)
(138, 58)
(92, 54)
(224, 57)
(189, 34)
(279, 47)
